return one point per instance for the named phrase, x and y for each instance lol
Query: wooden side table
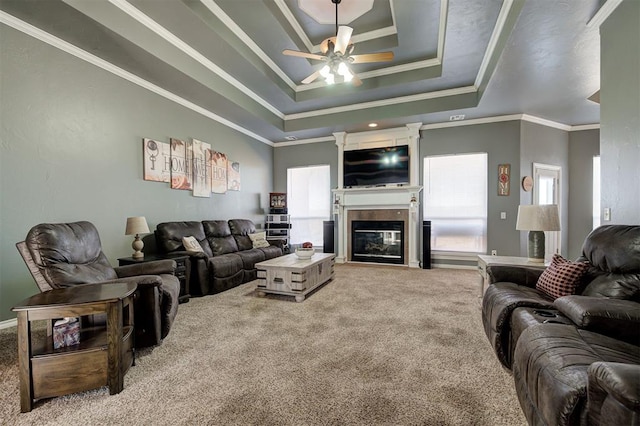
(103, 355)
(183, 269)
(485, 260)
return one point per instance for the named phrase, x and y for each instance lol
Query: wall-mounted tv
(376, 166)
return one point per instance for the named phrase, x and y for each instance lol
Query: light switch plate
(607, 214)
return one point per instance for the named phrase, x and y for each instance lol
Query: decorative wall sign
(218, 172)
(504, 171)
(527, 183)
(233, 176)
(156, 161)
(201, 180)
(278, 200)
(181, 159)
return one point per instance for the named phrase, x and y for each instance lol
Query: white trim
(168, 36)
(471, 122)
(215, 9)
(306, 141)
(8, 323)
(603, 13)
(442, 28)
(383, 102)
(295, 24)
(545, 122)
(497, 30)
(585, 127)
(45, 37)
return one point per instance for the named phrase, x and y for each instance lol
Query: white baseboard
(8, 323)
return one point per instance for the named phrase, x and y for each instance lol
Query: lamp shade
(136, 225)
(538, 218)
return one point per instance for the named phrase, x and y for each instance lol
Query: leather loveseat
(227, 258)
(571, 356)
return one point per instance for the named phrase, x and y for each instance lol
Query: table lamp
(135, 226)
(536, 219)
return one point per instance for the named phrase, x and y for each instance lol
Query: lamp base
(536, 246)
(137, 246)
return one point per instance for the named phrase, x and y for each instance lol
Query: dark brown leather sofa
(228, 258)
(570, 356)
(69, 254)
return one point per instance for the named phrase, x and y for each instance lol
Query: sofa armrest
(521, 275)
(613, 392)
(156, 267)
(616, 318)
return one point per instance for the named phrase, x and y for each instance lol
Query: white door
(546, 190)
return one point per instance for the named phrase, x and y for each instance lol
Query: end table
(183, 269)
(103, 355)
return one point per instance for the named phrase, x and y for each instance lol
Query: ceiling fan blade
(303, 54)
(311, 78)
(371, 57)
(342, 39)
(356, 80)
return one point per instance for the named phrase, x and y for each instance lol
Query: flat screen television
(376, 166)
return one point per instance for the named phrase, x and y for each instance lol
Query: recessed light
(373, 124)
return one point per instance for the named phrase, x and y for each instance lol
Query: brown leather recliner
(69, 254)
(557, 361)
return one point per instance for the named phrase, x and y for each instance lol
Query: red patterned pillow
(561, 278)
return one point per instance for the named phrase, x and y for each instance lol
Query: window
(455, 201)
(596, 191)
(309, 202)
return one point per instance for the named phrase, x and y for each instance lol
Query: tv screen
(376, 166)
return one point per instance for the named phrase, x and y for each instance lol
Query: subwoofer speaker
(327, 236)
(426, 244)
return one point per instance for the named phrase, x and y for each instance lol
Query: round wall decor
(527, 183)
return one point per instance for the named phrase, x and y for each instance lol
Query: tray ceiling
(223, 58)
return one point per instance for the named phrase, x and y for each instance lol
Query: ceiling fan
(337, 55)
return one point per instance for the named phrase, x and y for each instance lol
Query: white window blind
(455, 201)
(309, 202)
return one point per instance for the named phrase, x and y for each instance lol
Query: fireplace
(380, 241)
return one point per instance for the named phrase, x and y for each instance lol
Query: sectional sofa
(226, 256)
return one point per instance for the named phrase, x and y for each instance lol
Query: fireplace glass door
(377, 241)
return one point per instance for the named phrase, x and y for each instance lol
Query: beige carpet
(376, 346)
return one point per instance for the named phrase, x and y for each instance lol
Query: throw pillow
(561, 278)
(259, 239)
(191, 245)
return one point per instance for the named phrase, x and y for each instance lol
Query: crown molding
(471, 122)
(603, 13)
(493, 41)
(383, 102)
(168, 36)
(69, 48)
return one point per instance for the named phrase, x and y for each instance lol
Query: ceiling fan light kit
(338, 58)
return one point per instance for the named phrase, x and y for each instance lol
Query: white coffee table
(288, 275)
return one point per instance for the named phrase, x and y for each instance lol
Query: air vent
(456, 117)
(291, 138)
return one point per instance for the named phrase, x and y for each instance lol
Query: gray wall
(71, 149)
(501, 141)
(583, 146)
(620, 113)
(546, 145)
(313, 154)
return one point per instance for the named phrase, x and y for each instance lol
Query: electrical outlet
(503, 215)
(494, 252)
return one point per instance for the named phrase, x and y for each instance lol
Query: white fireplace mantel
(403, 197)
(388, 197)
